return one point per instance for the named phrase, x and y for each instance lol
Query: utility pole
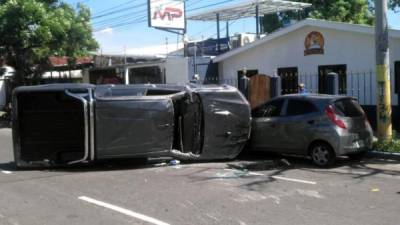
(195, 58)
(166, 47)
(384, 109)
(124, 54)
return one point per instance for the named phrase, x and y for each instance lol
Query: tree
(394, 4)
(33, 30)
(351, 11)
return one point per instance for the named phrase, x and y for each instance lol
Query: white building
(310, 49)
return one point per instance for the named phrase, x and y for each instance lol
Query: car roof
(320, 100)
(314, 96)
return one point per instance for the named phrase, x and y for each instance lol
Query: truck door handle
(162, 126)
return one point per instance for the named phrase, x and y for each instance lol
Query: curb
(384, 155)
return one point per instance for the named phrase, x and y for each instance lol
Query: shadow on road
(109, 165)
(279, 164)
(10, 166)
(244, 167)
(5, 123)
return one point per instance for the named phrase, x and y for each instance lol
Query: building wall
(75, 74)
(356, 50)
(177, 70)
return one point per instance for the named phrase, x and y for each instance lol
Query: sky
(122, 24)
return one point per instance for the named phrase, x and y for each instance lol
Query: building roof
(246, 9)
(56, 61)
(356, 28)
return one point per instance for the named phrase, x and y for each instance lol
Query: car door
(266, 127)
(132, 124)
(297, 124)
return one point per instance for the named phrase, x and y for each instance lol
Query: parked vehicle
(319, 126)
(66, 124)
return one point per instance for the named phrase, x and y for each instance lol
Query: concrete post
(276, 86)
(126, 75)
(333, 83)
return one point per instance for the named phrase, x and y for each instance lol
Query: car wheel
(322, 154)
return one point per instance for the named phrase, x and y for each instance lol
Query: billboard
(167, 14)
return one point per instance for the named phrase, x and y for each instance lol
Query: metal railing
(359, 84)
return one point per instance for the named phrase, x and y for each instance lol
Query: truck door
(129, 123)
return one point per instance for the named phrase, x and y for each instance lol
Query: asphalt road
(258, 189)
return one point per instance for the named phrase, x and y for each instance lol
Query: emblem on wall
(314, 44)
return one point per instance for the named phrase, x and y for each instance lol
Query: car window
(270, 109)
(299, 107)
(348, 108)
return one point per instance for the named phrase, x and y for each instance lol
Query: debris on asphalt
(235, 173)
(285, 162)
(174, 162)
(260, 165)
(160, 164)
(375, 190)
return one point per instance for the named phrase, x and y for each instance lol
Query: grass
(392, 145)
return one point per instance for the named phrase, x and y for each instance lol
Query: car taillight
(330, 113)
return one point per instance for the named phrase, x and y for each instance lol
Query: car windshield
(348, 108)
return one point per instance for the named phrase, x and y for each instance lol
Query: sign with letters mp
(167, 14)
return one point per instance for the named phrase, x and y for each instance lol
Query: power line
(143, 18)
(210, 5)
(137, 21)
(115, 7)
(123, 17)
(129, 19)
(80, 1)
(125, 9)
(142, 13)
(223, 29)
(118, 11)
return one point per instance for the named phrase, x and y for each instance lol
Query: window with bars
(323, 72)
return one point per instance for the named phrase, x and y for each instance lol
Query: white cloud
(107, 31)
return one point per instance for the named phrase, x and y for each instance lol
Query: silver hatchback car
(319, 126)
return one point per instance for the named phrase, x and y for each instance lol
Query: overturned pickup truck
(65, 124)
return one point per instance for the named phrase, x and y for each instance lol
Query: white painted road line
(5, 172)
(294, 180)
(123, 211)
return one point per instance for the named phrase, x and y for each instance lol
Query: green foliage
(394, 4)
(271, 22)
(392, 145)
(350, 11)
(33, 30)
